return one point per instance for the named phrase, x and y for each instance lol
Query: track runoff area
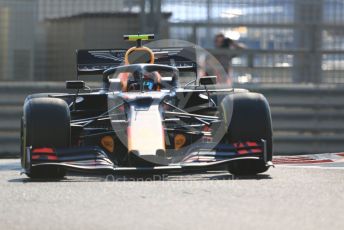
(301, 192)
(324, 160)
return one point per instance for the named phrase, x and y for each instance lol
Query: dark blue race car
(143, 120)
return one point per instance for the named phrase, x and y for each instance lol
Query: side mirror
(75, 84)
(208, 80)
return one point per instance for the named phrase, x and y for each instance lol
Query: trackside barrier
(306, 119)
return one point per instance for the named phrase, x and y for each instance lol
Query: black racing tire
(41, 95)
(45, 123)
(247, 117)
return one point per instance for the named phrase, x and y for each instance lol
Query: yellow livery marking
(143, 37)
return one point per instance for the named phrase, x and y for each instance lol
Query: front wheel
(247, 117)
(45, 123)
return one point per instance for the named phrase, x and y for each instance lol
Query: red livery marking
(35, 157)
(44, 157)
(43, 153)
(52, 158)
(340, 154)
(256, 150)
(251, 144)
(239, 145)
(243, 151)
(43, 150)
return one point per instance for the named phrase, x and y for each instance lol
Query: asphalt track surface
(286, 197)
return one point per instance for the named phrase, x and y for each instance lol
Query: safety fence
(287, 41)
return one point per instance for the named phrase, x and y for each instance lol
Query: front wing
(94, 158)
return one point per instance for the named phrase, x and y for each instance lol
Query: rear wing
(95, 62)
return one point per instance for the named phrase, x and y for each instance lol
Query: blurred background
(290, 50)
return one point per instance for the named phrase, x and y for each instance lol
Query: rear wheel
(45, 123)
(247, 117)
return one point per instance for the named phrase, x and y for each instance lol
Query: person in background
(211, 67)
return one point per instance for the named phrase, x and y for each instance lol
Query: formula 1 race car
(142, 120)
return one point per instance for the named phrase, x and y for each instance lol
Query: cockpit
(139, 73)
(143, 77)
